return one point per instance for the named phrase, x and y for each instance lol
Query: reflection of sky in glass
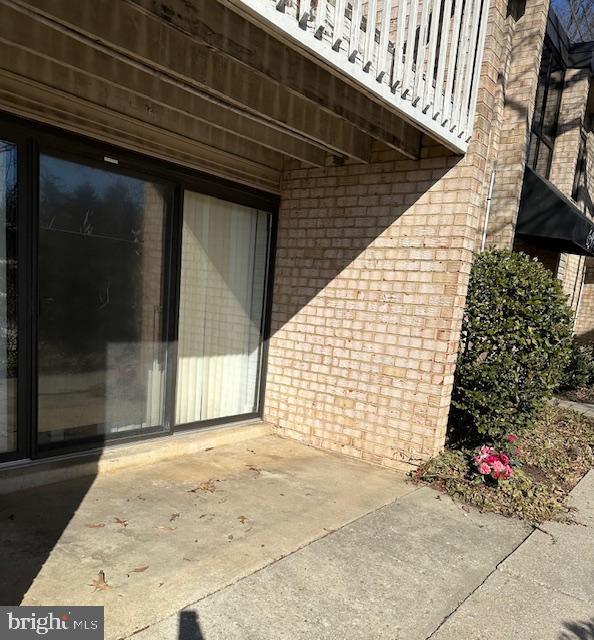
(70, 175)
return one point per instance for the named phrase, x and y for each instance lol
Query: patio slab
(172, 532)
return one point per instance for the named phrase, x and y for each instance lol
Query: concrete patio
(270, 540)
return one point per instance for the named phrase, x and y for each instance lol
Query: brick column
(520, 95)
(371, 275)
(563, 166)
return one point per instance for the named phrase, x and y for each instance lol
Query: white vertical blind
(224, 257)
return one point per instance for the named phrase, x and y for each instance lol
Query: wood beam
(25, 98)
(96, 75)
(222, 27)
(149, 40)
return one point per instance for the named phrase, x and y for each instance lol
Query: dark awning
(549, 219)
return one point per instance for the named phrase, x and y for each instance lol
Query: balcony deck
(375, 45)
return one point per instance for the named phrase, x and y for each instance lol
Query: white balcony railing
(420, 57)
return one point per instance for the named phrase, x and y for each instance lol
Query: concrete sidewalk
(420, 568)
(396, 573)
(543, 591)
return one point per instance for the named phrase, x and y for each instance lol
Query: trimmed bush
(580, 370)
(516, 342)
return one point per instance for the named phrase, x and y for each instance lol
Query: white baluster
(421, 51)
(320, 23)
(428, 90)
(339, 12)
(409, 56)
(454, 46)
(369, 47)
(304, 13)
(473, 87)
(462, 63)
(355, 30)
(469, 59)
(441, 61)
(382, 56)
(399, 44)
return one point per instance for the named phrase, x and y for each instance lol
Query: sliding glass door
(223, 276)
(8, 297)
(101, 356)
(142, 294)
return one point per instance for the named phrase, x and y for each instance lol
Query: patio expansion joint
(496, 568)
(326, 534)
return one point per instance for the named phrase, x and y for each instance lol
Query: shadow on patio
(146, 541)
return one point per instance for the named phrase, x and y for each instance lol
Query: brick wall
(520, 94)
(372, 267)
(565, 154)
(584, 326)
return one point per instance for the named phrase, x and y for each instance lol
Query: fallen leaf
(164, 528)
(208, 486)
(100, 583)
(242, 519)
(209, 449)
(140, 569)
(173, 516)
(117, 520)
(252, 468)
(95, 525)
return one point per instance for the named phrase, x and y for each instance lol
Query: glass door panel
(8, 297)
(223, 277)
(101, 360)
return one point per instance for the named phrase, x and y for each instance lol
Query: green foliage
(516, 342)
(580, 370)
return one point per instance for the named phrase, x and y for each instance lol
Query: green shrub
(516, 342)
(580, 370)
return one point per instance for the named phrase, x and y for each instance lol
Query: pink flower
(504, 458)
(511, 437)
(484, 469)
(498, 466)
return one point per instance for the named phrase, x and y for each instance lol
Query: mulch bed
(583, 394)
(552, 458)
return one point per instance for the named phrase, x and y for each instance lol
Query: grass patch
(552, 458)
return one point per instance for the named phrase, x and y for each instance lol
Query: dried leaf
(100, 584)
(208, 487)
(173, 516)
(164, 528)
(242, 519)
(140, 569)
(95, 525)
(117, 520)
